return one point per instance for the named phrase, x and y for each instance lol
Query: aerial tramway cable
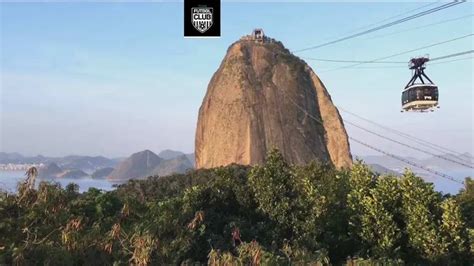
(420, 14)
(385, 67)
(420, 27)
(407, 161)
(440, 174)
(452, 55)
(386, 62)
(395, 16)
(353, 61)
(454, 60)
(408, 146)
(404, 52)
(412, 138)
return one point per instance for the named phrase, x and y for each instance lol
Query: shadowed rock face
(251, 107)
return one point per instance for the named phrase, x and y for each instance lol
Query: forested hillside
(274, 214)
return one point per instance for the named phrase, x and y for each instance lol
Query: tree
(453, 232)
(273, 188)
(273, 214)
(375, 203)
(420, 206)
(465, 199)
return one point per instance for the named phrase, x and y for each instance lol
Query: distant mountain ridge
(102, 173)
(382, 170)
(171, 154)
(138, 165)
(52, 170)
(171, 161)
(85, 163)
(146, 163)
(178, 165)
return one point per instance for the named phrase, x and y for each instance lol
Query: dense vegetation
(269, 214)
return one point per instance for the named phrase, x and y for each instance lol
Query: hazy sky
(113, 79)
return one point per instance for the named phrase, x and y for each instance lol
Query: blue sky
(113, 79)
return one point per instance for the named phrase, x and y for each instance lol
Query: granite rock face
(264, 97)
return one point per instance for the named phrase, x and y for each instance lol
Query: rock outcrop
(264, 97)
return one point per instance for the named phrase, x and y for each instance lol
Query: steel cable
(377, 149)
(417, 15)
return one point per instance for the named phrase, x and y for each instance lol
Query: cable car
(419, 97)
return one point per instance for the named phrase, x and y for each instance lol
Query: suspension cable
(452, 55)
(420, 14)
(395, 16)
(385, 62)
(405, 135)
(454, 60)
(405, 52)
(399, 67)
(377, 149)
(408, 146)
(353, 61)
(421, 27)
(407, 161)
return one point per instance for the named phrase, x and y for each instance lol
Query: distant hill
(179, 164)
(102, 173)
(51, 170)
(191, 158)
(439, 163)
(6, 157)
(169, 154)
(382, 170)
(168, 161)
(138, 165)
(17, 158)
(73, 173)
(146, 163)
(85, 163)
(90, 163)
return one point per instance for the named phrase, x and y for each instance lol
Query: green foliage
(374, 205)
(420, 210)
(453, 231)
(465, 199)
(273, 189)
(272, 214)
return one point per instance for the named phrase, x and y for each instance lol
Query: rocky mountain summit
(264, 97)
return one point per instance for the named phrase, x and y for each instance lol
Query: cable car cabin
(421, 97)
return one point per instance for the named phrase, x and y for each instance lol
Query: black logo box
(214, 30)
